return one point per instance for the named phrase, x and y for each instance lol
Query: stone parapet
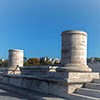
(52, 85)
(41, 71)
(12, 71)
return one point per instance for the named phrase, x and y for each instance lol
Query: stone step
(75, 96)
(89, 92)
(93, 86)
(96, 80)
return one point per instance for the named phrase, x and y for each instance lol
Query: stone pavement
(8, 95)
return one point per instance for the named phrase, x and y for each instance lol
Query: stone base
(74, 68)
(12, 71)
(73, 80)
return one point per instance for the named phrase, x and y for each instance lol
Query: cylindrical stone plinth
(15, 58)
(74, 51)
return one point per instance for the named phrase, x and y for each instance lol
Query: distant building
(53, 60)
(56, 60)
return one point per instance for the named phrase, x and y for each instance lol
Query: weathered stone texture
(74, 51)
(15, 58)
(57, 86)
(74, 46)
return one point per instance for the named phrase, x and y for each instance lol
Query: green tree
(32, 62)
(4, 63)
(46, 63)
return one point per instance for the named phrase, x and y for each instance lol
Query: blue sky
(36, 25)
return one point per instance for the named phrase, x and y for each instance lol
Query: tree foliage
(32, 62)
(36, 62)
(95, 59)
(4, 63)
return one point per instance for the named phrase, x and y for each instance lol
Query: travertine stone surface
(75, 76)
(15, 58)
(52, 85)
(41, 71)
(74, 51)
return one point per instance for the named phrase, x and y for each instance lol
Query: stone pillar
(15, 58)
(15, 61)
(73, 70)
(74, 51)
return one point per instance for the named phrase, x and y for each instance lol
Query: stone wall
(51, 82)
